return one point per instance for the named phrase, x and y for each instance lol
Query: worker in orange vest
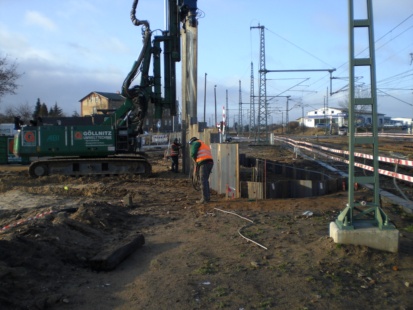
(175, 147)
(202, 156)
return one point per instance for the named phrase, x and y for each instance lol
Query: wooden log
(111, 257)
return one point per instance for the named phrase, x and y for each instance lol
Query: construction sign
(29, 138)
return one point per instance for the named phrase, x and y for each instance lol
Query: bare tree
(75, 114)
(23, 110)
(8, 77)
(343, 105)
(359, 108)
(8, 115)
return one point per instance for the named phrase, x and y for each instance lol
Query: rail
(314, 148)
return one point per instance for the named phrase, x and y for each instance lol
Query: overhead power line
(383, 36)
(390, 31)
(300, 48)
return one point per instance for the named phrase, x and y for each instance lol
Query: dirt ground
(193, 256)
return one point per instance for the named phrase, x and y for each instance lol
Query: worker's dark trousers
(174, 167)
(204, 172)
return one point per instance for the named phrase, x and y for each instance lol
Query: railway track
(395, 167)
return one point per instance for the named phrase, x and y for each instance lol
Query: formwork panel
(224, 178)
(301, 188)
(255, 190)
(319, 188)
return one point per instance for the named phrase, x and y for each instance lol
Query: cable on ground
(239, 230)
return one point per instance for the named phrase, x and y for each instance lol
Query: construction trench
(267, 179)
(239, 176)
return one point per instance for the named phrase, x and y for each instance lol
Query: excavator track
(116, 165)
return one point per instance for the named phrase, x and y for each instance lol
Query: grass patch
(220, 291)
(239, 268)
(208, 267)
(283, 266)
(205, 270)
(266, 304)
(249, 234)
(221, 305)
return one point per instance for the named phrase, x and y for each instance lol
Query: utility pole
(205, 97)
(262, 97)
(240, 128)
(282, 122)
(215, 96)
(325, 112)
(240, 110)
(362, 214)
(226, 108)
(411, 123)
(287, 120)
(302, 117)
(252, 102)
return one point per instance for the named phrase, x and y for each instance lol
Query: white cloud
(71, 9)
(42, 56)
(391, 10)
(16, 45)
(12, 43)
(115, 45)
(37, 19)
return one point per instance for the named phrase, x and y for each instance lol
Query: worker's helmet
(176, 140)
(193, 139)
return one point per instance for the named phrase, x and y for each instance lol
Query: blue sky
(66, 49)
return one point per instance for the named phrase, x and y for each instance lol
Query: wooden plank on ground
(111, 257)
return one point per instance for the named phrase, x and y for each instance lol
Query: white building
(7, 129)
(338, 117)
(400, 121)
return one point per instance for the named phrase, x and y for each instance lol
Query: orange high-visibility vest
(174, 150)
(204, 152)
